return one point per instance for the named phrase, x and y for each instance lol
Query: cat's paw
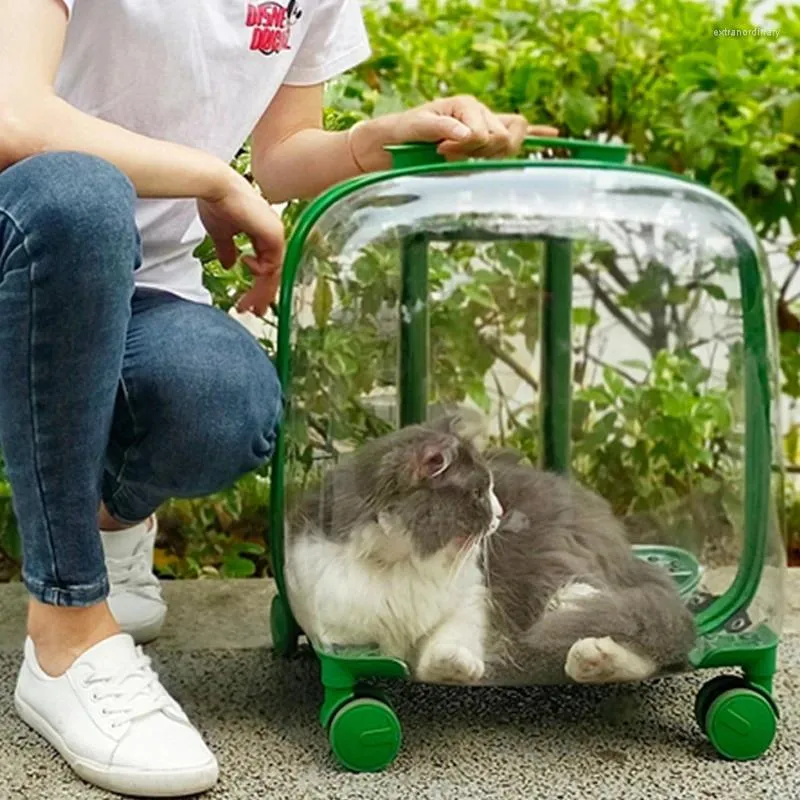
(605, 661)
(450, 663)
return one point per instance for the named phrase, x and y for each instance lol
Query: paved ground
(259, 714)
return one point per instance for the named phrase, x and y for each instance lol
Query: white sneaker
(111, 719)
(135, 599)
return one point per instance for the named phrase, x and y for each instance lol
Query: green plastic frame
(715, 648)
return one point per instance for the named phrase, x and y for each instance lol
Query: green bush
(725, 111)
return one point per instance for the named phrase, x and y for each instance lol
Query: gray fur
(397, 474)
(561, 532)
(553, 532)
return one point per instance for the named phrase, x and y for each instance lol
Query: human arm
(293, 157)
(33, 119)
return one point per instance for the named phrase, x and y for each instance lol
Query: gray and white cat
(477, 569)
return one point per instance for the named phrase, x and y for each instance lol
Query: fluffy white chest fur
(370, 589)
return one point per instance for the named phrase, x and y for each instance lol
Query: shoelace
(131, 572)
(130, 692)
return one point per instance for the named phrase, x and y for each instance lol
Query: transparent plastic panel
(658, 358)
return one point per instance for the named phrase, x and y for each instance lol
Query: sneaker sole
(164, 783)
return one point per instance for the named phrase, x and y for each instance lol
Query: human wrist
(368, 140)
(220, 180)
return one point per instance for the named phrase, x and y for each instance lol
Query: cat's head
(430, 491)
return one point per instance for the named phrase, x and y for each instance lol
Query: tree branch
(502, 397)
(612, 307)
(600, 363)
(581, 365)
(497, 351)
(609, 261)
(789, 278)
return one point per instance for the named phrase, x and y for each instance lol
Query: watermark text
(743, 33)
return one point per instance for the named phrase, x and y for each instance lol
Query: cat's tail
(591, 635)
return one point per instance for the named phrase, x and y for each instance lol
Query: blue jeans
(107, 392)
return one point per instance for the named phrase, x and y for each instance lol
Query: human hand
(466, 128)
(239, 208)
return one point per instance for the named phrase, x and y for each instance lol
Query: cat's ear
(466, 423)
(433, 458)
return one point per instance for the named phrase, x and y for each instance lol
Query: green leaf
(322, 303)
(730, 55)
(765, 178)
(645, 291)
(677, 294)
(717, 292)
(205, 251)
(696, 69)
(596, 395)
(10, 542)
(791, 116)
(478, 293)
(531, 329)
(234, 566)
(635, 363)
(250, 547)
(674, 405)
(704, 158)
(615, 384)
(584, 316)
(580, 111)
(477, 393)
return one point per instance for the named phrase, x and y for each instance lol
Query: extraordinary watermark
(742, 33)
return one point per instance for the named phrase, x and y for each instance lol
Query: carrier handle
(581, 149)
(417, 154)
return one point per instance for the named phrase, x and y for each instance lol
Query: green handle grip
(415, 154)
(581, 149)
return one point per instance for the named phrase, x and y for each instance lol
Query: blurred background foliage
(724, 111)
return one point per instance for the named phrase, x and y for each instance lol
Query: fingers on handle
(543, 130)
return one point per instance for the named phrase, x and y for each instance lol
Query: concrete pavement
(260, 716)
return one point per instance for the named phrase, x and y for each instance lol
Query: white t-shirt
(202, 74)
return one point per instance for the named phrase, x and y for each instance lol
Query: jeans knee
(79, 209)
(265, 416)
(228, 432)
(246, 441)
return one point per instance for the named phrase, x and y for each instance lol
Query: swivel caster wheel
(365, 735)
(710, 691)
(285, 631)
(740, 719)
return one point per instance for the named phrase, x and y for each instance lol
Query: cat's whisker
(455, 567)
(461, 558)
(485, 553)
